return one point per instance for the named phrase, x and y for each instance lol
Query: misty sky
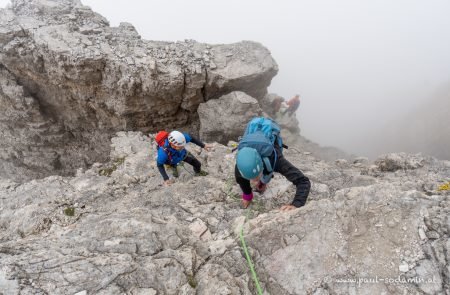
(356, 64)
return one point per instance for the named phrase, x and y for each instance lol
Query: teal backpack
(262, 134)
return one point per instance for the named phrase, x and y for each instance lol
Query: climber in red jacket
(293, 105)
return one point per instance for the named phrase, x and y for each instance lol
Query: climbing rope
(229, 192)
(247, 255)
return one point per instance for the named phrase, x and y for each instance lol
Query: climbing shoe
(201, 173)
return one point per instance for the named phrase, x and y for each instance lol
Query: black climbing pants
(191, 160)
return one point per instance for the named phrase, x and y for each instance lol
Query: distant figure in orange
(293, 105)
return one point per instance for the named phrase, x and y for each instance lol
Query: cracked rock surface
(79, 95)
(76, 81)
(123, 232)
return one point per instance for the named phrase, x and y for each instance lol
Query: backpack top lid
(263, 127)
(261, 135)
(257, 141)
(161, 137)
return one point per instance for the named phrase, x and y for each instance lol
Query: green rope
(229, 192)
(247, 256)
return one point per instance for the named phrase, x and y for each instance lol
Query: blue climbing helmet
(249, 163)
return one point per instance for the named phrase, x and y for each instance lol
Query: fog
(358, 65)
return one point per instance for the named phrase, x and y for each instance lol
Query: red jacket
(294, 103)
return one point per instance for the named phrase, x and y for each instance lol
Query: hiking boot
(201, 173)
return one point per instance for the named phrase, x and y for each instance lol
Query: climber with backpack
(260, 154)
(171, 151)
(293, 105)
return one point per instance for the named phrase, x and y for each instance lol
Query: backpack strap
(269, 167)
(267, 164)
(168, 153)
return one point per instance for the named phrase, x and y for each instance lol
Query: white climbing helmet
(177, 139)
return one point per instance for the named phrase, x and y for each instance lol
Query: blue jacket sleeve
(162, 157)
(160, 161)
(163, 172)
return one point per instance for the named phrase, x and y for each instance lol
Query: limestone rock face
(114, 229)
(225, 118)
(33, 144)
(88, 80)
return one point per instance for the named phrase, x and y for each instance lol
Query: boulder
(397, 161)
(225, 118)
